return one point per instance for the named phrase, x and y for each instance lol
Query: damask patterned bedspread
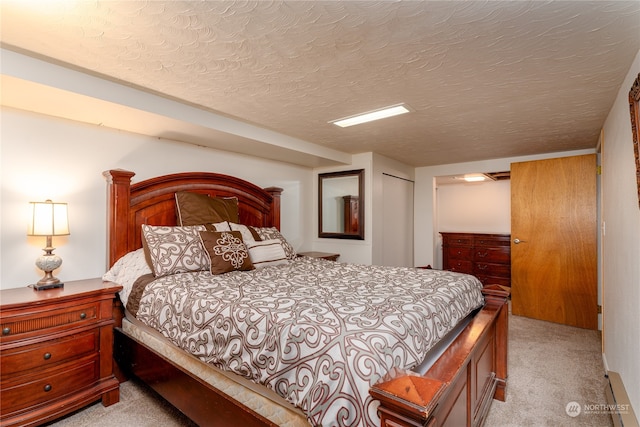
(318, 332)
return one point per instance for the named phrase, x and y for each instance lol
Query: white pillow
(266, 252)
(222, 226)
(126, 271)
(247, 237)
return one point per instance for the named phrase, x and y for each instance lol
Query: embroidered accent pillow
(227, 252)
(269, 233)
(267, 252)
(172, 250)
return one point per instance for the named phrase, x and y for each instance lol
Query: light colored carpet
(139, 406)
(550, 366)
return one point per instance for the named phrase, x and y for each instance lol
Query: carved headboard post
(275, 205)
(119, 198)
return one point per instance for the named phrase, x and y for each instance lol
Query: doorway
(397, 232)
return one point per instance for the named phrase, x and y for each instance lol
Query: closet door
(554, 240)
(397, 233)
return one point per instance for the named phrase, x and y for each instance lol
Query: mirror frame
(634, 107)
(359, 234)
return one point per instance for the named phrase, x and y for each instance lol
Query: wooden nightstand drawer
(30, 390)
(48, 353)
(45, 321)
(324, 255)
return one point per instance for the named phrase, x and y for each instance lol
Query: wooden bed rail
(458, 388)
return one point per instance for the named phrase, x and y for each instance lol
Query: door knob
(516, 241)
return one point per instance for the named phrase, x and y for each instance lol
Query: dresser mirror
(340, 205)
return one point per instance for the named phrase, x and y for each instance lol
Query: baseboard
(618, 402)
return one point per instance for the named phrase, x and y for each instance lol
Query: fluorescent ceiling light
(370, 116)
(473, 177)
(476, 178)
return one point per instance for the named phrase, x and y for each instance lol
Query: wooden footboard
(458, 389)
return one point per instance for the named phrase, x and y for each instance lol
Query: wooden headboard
(152, 202)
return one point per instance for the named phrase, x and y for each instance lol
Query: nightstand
(324, 255)
(56, 351)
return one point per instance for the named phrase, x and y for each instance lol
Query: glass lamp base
(47, 263)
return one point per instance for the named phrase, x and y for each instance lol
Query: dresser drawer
(493, 280)
(492, 240)
(459, 240)
(489, 269)
(48, 353)
(500, 255)
(29, 390)
(459, 252)
(40, 323)
(461, 266)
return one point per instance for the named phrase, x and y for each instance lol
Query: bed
(457, 364)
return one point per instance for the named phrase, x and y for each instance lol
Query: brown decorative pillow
(173, 250)
(198, 209)
(226, 250)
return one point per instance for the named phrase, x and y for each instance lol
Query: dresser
(486, 256)
(56, 351)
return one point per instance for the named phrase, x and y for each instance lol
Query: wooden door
(554, 240)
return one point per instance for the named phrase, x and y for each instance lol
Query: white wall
(621, 244)
(51, 158)
(491, 212)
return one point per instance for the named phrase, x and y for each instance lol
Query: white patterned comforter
(319, 333)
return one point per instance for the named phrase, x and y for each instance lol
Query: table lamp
(48, 219)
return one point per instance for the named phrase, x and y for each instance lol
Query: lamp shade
(48, 219)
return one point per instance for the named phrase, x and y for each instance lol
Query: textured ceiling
(484, 79)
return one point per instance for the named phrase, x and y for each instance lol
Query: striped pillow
(266, 252)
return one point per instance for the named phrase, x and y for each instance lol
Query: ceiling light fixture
(474, 177)
(382, 113)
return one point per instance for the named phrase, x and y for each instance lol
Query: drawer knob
(6, 331)
(47, 387)
(482, 254)
(47, 356)
(83, 315)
